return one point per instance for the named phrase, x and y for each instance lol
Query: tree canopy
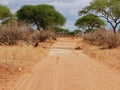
(61, 31)
(108, 9)
(65, 31)
(89, 22)
(5, 13)
(43, 16)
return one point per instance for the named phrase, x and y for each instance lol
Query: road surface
(67, 69)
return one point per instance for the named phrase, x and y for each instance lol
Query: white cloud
(5, 2)
(72, 4)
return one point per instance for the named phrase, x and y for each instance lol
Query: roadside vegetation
(25, 38)
(104, 39)
(108, 57)
(12, 33)
(92, 23)
(97, 42)
(25, 35)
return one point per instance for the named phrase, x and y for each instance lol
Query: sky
(69, 8)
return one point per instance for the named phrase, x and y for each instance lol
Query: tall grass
(105, 39)
(18, 57)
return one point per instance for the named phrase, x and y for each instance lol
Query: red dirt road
(67, 69)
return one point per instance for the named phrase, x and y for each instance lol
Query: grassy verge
(110, 57)
(17, 60)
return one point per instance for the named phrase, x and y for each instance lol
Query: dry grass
(110, 57)
(12, 33)
(104, 39)
(17, 60)
(20, 56)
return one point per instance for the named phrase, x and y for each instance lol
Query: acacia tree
(90, 22)
(61, 31)
(5, 13)
(108, 9)
(43, 16)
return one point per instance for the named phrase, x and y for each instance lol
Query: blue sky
(69, 8)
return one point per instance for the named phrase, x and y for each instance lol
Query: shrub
(10, 34)
(38, 36)
(105, 39)
(42, 36)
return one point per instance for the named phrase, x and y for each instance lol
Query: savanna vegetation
(35, 25)
(66, 32)
(107, 9)
(20, 34)
(43, 16)
(39, 23)
(29, 24)
(99, 43)
(92, 21)
(89, 22)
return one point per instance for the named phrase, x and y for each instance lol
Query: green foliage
(61, 31)
(71, 33)
(10, 20)
(25, 13)
(4, 12)
(43, 16)
(64, 31)
(90, 22)
(75, 32)
(108, 9)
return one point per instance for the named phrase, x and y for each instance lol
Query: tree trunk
(36, 22)
(38, 26)
(114, 29)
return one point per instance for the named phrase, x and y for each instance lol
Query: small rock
(77, 48)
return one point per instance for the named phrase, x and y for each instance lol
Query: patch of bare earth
(15, 61)
(110, 57)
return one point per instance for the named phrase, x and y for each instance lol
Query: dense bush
(42, 36)
(105, 39)
(12, 33)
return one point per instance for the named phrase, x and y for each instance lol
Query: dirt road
(67, 69)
